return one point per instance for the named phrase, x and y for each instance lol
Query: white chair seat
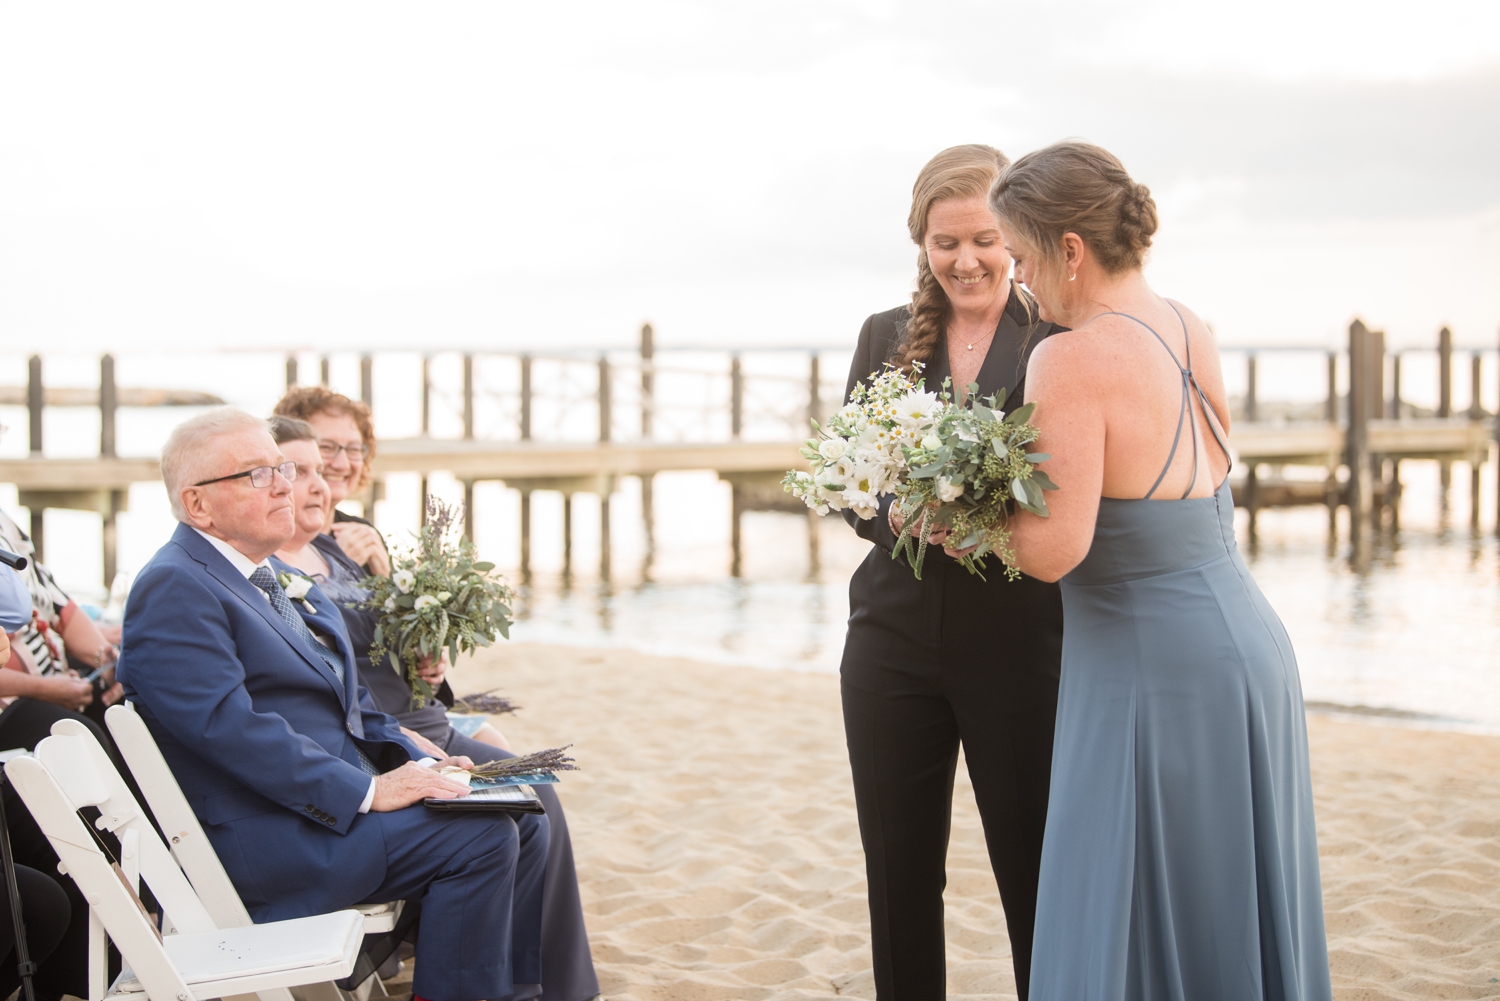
(256, 957)
(381, 918)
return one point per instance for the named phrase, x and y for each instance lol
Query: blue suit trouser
(479, 877)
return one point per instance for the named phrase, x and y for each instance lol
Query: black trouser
(567, 966)
(929, 665)
(23, 724)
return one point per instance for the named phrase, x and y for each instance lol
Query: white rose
(932, 442)
(297, 588)
(833, 449)
(948, 490)
(390, 604)
(424, 601)
(404, 580)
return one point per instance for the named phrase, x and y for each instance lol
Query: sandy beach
(720, 859)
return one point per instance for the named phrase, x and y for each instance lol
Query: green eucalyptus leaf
(1021, 415)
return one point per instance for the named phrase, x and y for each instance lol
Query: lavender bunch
(546, 762)
(484, 704)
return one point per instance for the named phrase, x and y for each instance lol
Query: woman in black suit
(948, 660)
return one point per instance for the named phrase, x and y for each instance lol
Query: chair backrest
(87, 777)
(188, 844)
(109, 898)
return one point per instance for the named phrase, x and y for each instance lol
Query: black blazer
(1004, 368)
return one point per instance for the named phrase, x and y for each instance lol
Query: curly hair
(1076, 187)
(956, 172)
(303, 402)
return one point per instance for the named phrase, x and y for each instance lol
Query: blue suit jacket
(259, 732)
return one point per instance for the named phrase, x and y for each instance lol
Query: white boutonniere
(297, 587)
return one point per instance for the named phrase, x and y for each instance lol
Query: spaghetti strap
(1185, 412)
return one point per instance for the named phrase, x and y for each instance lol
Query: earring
(1072, 277)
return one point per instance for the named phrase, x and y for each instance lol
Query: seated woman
(567, 967)
(47, 632)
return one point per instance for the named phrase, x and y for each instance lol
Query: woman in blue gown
(1180, 858)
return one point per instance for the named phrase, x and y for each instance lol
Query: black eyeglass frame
(331, 449)
(287, 469)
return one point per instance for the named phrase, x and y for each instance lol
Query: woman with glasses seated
(567, 966)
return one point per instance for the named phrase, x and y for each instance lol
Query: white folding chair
(196, 959)
(189, 845)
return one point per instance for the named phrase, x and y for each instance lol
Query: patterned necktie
(264, 579)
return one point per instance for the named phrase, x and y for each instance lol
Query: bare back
(1121, 408)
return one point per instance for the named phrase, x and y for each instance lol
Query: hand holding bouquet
(860, 454)
(437, 597)
(963, 476)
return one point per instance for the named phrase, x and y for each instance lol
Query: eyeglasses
(331, 449)
(260, 477)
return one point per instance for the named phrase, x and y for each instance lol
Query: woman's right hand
(66, 690)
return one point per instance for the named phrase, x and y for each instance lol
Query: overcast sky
(499, 175)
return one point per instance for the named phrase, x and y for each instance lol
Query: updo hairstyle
(956, 172)
(1076, 187)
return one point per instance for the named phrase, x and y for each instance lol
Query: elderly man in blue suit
(311, 797)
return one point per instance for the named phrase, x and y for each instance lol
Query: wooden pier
(1358, 444)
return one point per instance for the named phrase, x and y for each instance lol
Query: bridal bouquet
(438, 596)
(860, 454)
(964, 474)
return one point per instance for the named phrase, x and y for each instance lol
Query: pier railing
(577, 422)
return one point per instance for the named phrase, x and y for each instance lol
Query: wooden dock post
(469, 510)
(1392, 496)
(525, 416)
(1358, 441)
(525, 535)
(323, 374)
(567, 567)
(648, 379)
(1445, 409)
(468, 396)
(814, 392)
(1394, 410)
(1331, 410)
(648, 414)
(1331, 478)
(291, 372)
(1250, 400)
(1496, 435)
(366, 379)
(606, 487)
(1374, 410)
(606, 483)
(109, 402)
(736, 397)
(426, 430)
(36, 399)
(736, 509)
(1476, 413)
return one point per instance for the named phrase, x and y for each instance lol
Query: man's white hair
(188, 456)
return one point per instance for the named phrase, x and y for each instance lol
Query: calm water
(1415, 631)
